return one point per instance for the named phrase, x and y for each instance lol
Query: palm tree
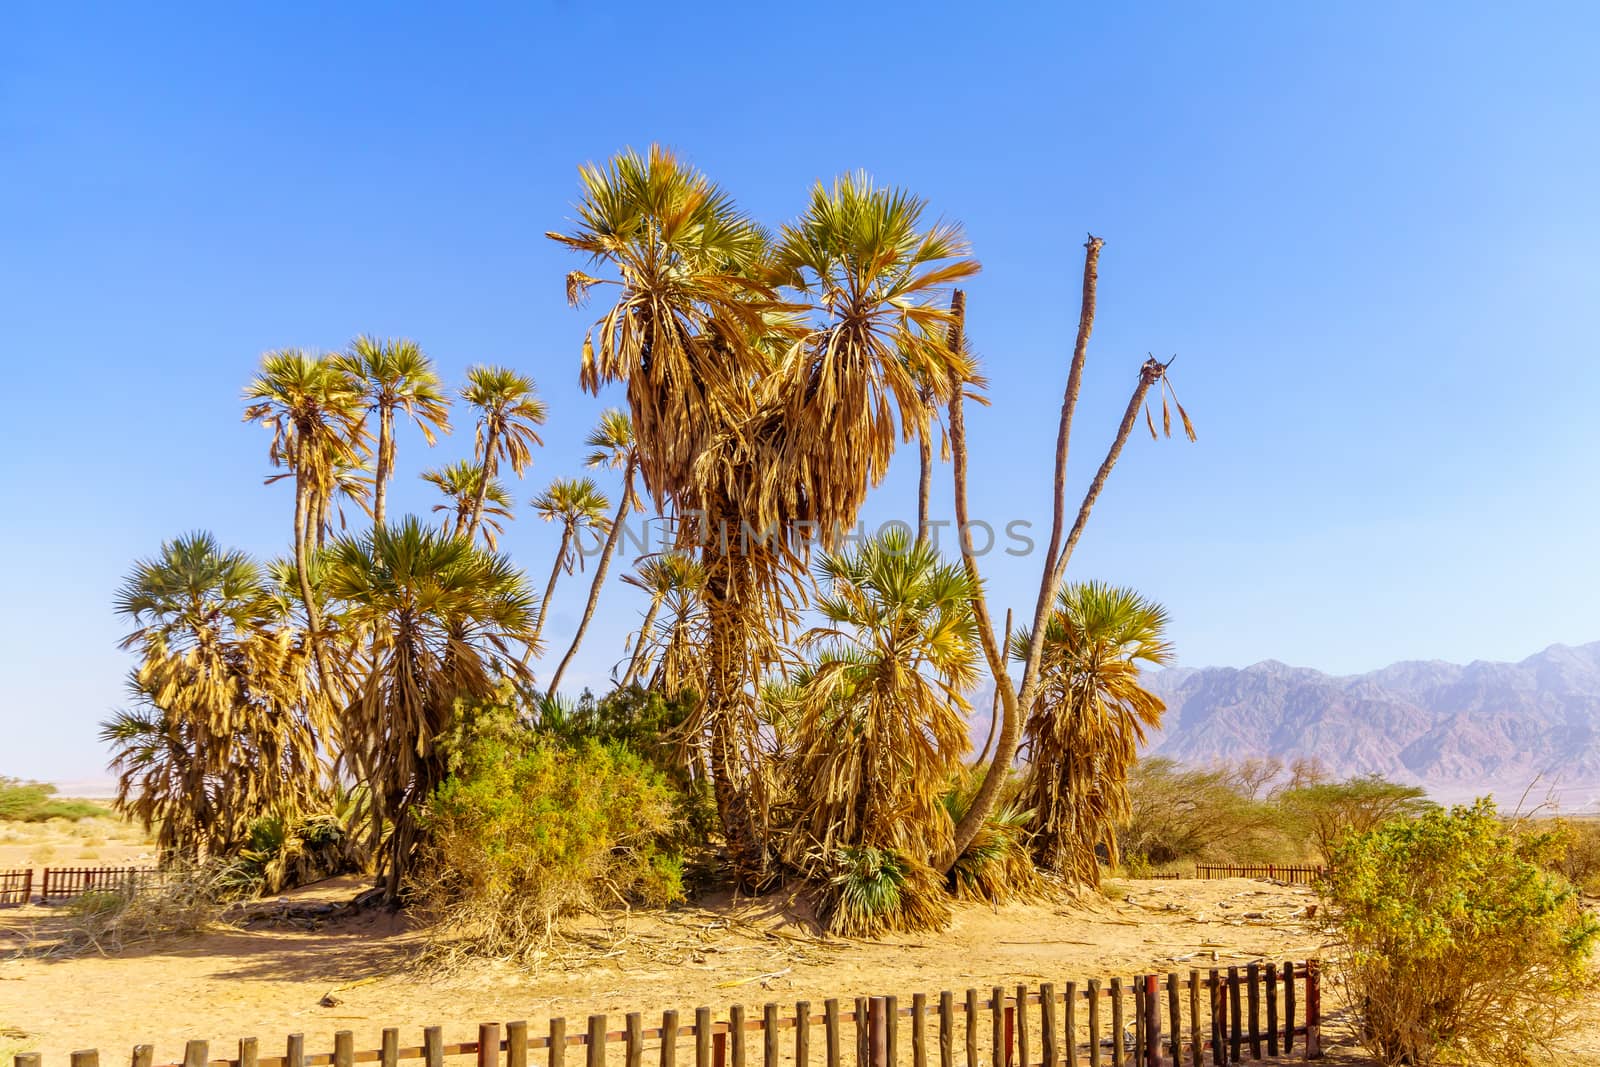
(508, 408)
(230, 721)
(613, 446)
(668, 577)
(882, 724)
(433, 617)
(578, 504)
(314, 410)
(1087, 720)
(462, 484)
(754, 409)
(396, 376)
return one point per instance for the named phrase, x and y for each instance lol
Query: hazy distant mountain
(1457, 730)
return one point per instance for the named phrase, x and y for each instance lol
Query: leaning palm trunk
(490, 467)
(599, 577)
(646, 628)
(385, 468)
(1059, 550)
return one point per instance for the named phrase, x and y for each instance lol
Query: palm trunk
(637, 660)
(489, 441)
(302, 568)
(599, 575)
(549, 592)
(726, 662)
(385, 469)
(924, 483)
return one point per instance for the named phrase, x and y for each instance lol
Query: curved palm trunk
(637, 660)
(489, 467)
(385, 469)
(599, 576)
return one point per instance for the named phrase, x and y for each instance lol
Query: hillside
(1458, 730)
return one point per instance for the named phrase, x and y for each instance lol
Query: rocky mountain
(1458, 730)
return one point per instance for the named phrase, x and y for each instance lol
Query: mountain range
(1458, 730)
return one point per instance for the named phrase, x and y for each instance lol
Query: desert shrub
(1577, 858)
(1455, 945)
(23, 801)
(1324, 812)
(1179, 814)
(879, 891)
(526, 830)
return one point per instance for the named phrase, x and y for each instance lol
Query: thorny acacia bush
(1456, 946)
(526, 830)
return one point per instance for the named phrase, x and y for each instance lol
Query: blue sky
(1368, 231)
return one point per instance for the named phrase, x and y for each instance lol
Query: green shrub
(22, 801)
(1578, 857)
(527, 830)
(880, 891)
(1456, 946)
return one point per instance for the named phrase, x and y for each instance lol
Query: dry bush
(1455, 946)
(186, 900)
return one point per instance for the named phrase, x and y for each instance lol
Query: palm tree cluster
(820, 684)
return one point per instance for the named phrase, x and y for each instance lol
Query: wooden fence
(1299, 874)
(64, 883)
(16, 887)
(1221, 1017)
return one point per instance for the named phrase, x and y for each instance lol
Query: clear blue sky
(1370, 232)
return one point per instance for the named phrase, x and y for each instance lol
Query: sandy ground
(271, 983)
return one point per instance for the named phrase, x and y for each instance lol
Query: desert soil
(360, 973)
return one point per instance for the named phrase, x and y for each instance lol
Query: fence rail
(16, 887)
(1213, 1017)
(65, 883)
(1300, 874)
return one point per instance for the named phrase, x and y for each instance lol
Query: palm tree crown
(396, 376)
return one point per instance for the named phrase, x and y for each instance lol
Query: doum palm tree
(612, 445)
(318, 421)
(509, 410)
(433, 619)
(395, 375)
(1087, 720)
(464, 489)
(578, 505)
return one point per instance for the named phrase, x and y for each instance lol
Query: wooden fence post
(248, 1053)
(1197, 1055)
(633, 1036)
(702, 1037)
(25, 1059)
(972, 1028)
(1313, 1009)
(389, 1055)
(830, 1030)
(669, 1041)
(294, 1052)
(558, 1041)
(1253, 976)
(1019, 1026)
(735, 1036)
(595, 1053)
(1152, 1020)
(769, 1036)
(919, 1025)
(802, 1034)
(1288, 1007)
(1272, 1010)
(86, 1058)
(877, 1032)
(947, 1029)
(432, 1046)
(1094, 1022)
(488, 1045)
(1219, 1019)
(1118, 1047)
(1069, 1024)
(144, 1055)
(516, 1043)
(1047, 1025)
(344, 1049)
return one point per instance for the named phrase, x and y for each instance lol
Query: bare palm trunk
(489, 467)
(924, 483)
(385, 471)
(599, 575)
(549, 592)
(637, 659)
(727, 660)
(302, 569)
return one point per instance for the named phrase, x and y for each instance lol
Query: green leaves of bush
(1456, 942)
